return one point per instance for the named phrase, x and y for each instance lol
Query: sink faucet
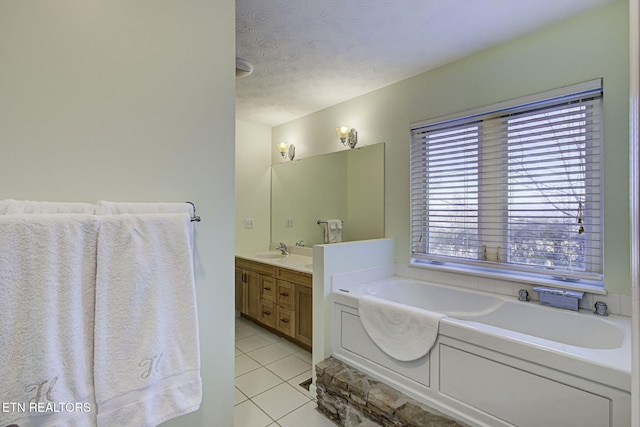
(282, 248)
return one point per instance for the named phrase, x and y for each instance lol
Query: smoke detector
(243, 68)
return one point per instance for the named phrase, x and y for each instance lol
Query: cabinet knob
(284, 320)
(267, 288)
(284, 294)
(266, 313)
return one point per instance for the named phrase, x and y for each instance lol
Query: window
(515, 189)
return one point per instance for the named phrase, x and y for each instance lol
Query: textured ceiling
(310, 54)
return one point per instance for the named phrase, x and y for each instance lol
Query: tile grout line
(284, 415)
(300, 355)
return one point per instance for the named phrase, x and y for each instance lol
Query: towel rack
(324, 222)
(194, 217)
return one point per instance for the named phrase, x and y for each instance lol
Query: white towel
(14, 207)
(333, 231)
(147, 359)
(403, 332)
(115, 208)
(47, 295)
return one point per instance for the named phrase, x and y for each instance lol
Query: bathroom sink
(270, 256)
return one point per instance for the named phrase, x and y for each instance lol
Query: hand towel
(403, 332)
(333, 231)
(13, 207)
(47, 295)
(147, 359)
(115, 208)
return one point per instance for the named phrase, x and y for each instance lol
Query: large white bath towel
(403, 332)
(147, 362)
(15, 207)
(115, 208)
(47, 294)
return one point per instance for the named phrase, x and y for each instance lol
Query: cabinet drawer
(285, 294)
(286, 321)
(268, 291)
(268, 313)
(297, 277)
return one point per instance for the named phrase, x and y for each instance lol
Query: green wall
(131, 101)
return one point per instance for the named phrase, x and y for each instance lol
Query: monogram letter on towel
(150, 365)
(38, 388)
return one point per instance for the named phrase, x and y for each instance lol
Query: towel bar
(194, 217)
(324, 222)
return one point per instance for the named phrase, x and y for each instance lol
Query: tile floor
(268, 372)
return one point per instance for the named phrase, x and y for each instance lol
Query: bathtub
(497, 361)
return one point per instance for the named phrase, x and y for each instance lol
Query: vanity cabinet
(277, 298)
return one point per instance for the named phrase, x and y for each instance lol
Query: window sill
(512, 276)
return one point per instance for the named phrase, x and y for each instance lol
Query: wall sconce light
(287, 150)
(348, 136)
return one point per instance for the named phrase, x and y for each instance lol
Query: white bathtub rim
(617, 359)
(613, 337)
(355, 291)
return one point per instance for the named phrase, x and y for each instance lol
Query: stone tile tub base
(353, 399)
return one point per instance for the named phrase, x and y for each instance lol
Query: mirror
(346, 185)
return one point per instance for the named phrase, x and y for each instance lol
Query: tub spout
(559, 298)
(601, 309)
(523, 295)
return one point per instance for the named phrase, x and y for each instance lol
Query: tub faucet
(600, 309)
(282, 248)
(523, 295)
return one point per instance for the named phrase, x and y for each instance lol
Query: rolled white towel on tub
(403, 332)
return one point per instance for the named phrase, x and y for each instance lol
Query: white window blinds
(514, 188)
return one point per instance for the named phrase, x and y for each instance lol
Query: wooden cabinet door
(304, 314)
(253, 294)
(241, 292)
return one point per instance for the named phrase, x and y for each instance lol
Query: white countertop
(294, 261)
